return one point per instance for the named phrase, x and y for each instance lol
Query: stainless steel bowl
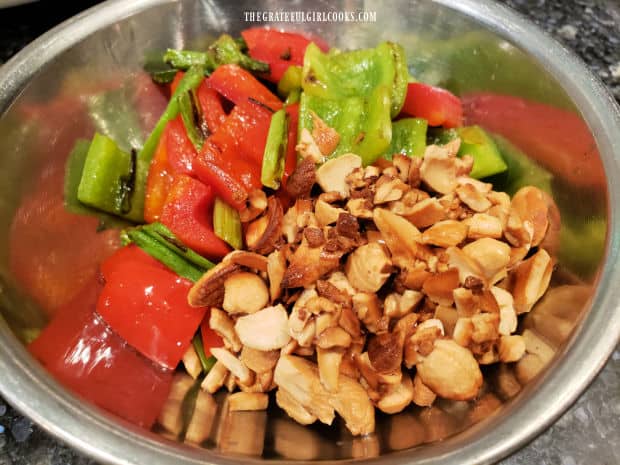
(497, 51)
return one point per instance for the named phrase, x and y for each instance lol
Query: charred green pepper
(225, 50)
(356, 93)
(107, 177)
(408, 138)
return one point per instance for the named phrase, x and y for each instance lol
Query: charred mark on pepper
(126, 186)
(261, 104)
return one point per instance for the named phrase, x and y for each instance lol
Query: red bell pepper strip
(210, 338)
(85, 355)
(181, 151)
(158, 182)
(129, 254)
(244, 129)
(174, 155)
(239, 86)
(225, 185)
(211, 105)
(147, 306)
(558, 139)
(438, 106)
(291, 154)
(188, 212)
(278, 48)
(231, 179)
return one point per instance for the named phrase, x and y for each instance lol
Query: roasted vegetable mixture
(307, 227)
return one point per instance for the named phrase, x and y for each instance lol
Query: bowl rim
(29, 388)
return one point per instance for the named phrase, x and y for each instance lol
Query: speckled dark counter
(589, 433)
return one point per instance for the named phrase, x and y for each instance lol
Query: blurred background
(591, 28)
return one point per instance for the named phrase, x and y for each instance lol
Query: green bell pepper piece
(376, 133)
(356, 93)
(290, 81)
(408, 138)
(107, 177)
(356, 73)
(74, 168)
(345, 115)
(347, 74)
(275, 150)
(487, 159)
(401, 77)
(191, 80)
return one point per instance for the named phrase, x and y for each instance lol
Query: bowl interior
(97, 83)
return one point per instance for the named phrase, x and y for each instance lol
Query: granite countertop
(588, 434)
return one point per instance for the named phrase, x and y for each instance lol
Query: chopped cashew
(326, 138)
(259, 361)
(451, 371)
(426, 213)
(445, 233)
(300, 379)
(507, 315)
(334, 337)
(236, 367)
(463, 330)
(439, 169)
(530, 204)
(308, 148)
(368, 310)
(473, 198)
(326, 214)
(216, 378)
(276, 267)
(208, 291)
(368, 267)
(491, 255)
(221, 323)
(331, 174)
(191, 362)
(398, 397)
(329, 361)
(531, 279)
(264, 330)
(401, 237)
(483, 225)
(244, 293)
(440, 286)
